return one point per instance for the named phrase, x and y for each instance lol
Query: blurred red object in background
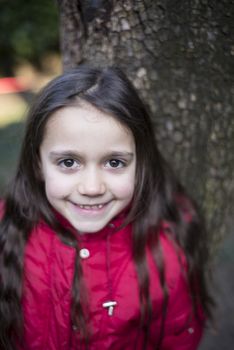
(11, 85)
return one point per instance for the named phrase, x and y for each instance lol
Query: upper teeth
(96, 206)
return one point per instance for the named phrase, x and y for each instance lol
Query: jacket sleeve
(183, 329)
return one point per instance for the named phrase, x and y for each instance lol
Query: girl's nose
(91, 184)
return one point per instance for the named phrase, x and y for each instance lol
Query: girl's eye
(115, 163)
(68, 163)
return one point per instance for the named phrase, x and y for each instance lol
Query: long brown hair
(157, 197)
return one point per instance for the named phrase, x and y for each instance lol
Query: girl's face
(88, 163)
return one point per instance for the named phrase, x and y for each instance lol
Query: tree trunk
(179, 55)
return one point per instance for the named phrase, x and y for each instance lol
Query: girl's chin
(89, 220)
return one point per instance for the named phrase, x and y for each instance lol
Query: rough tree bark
(180, 56)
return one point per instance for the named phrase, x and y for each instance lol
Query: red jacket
(109, 275)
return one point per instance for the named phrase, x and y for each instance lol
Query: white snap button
(191, 330)
(84, 253)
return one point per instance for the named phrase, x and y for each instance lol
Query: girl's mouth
(91, 207)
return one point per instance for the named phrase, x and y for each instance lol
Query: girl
(100, 247)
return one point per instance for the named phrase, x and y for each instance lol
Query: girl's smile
(90, 207)
(94, 209)
(88, 162)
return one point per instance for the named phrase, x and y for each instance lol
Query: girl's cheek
(126, 191)
(125, 187)
(57, 187)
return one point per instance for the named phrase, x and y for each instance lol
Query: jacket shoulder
(174, 256)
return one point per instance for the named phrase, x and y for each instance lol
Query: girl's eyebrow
(120, 154)
(67, 153)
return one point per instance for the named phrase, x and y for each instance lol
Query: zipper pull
(110, 305)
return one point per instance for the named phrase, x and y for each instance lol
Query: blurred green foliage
(28, 29)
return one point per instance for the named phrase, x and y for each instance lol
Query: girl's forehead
(86, 127)
(83, 114)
